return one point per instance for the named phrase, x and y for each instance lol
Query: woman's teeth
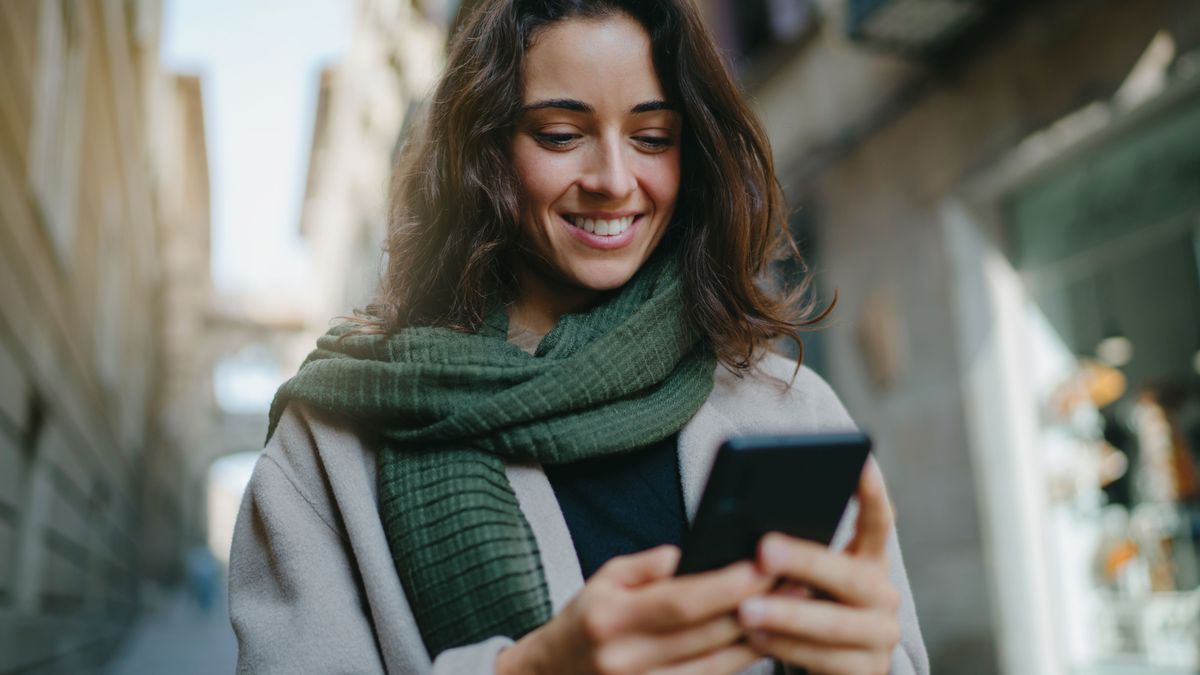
(604, 228)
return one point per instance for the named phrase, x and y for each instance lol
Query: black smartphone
(795, 484)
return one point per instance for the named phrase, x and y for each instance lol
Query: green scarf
(445, 409)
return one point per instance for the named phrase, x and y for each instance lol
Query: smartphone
(795, 484)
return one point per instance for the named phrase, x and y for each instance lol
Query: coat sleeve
(295, 598)
(909, 657)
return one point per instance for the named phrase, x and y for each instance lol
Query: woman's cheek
(660, 177)
(661, 183)
(533, 165)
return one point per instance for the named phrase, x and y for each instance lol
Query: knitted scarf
(445, 409)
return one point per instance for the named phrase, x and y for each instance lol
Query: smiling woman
(597, 157)
(470, 182)
(490, 469)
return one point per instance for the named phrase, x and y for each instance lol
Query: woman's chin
(604, 277)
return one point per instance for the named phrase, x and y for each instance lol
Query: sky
(259, 62)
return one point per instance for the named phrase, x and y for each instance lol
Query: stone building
(395, 52)
(993, 189)
(104, 279)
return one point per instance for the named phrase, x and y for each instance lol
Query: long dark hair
(455, 210)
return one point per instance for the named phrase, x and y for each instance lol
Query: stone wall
(85, 463)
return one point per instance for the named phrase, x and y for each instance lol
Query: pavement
(179, 637)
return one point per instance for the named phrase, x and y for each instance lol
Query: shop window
(1107, 241)
(57, 128)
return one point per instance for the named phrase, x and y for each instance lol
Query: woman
(487, 471)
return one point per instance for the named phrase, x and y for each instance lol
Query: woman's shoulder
(774, 392)
(317, 452)
(303, 430)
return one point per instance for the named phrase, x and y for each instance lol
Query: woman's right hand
(633, 616)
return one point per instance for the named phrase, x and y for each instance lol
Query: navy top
(621, 504)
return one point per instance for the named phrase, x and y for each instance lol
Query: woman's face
(597, 154)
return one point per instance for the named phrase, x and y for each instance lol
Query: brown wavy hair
(455, 210)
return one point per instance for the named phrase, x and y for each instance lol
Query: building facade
(364, 103)
(989, 211)
(103, 280)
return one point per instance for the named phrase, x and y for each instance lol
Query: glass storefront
(1106, 242)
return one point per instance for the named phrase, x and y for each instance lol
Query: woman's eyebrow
(575, 105)
(561, 103)
(651, 106)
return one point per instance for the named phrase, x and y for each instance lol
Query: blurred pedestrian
(489, 469)
(202, 576)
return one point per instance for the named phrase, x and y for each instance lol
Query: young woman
(491, 470)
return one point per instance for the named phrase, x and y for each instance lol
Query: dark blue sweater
(622, 504)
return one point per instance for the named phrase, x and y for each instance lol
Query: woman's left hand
(855, 629)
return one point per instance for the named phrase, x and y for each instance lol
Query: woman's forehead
(606, 63)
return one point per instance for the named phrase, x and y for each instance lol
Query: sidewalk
(179, 638)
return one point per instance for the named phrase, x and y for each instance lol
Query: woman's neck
(541, 302)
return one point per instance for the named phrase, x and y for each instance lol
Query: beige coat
(313, 588)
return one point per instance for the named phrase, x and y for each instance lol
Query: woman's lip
(606, 243)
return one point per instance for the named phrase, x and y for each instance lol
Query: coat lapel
(540, 506)
(698, 444)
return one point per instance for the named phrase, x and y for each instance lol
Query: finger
(857, 581)
(677, 602)
(874, 514)
(733, 659)
(828, 660)
(641, 568)
(643, 651)
(821, 622)
(793, 590)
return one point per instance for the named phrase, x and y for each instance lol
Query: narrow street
(179, 638)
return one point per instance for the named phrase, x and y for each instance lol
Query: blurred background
(1005, 195)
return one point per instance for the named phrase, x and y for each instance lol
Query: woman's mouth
(603, 233)
(604, 228)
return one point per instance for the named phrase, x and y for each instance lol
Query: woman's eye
(654, 142)
(555, 140)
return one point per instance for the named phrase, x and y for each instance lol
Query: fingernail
(774, 553)
(753, 611)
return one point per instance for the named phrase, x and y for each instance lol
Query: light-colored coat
(312, 585)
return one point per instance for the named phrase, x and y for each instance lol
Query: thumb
(642, 568)
(875, 516)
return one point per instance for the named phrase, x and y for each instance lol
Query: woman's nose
(609, 173)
